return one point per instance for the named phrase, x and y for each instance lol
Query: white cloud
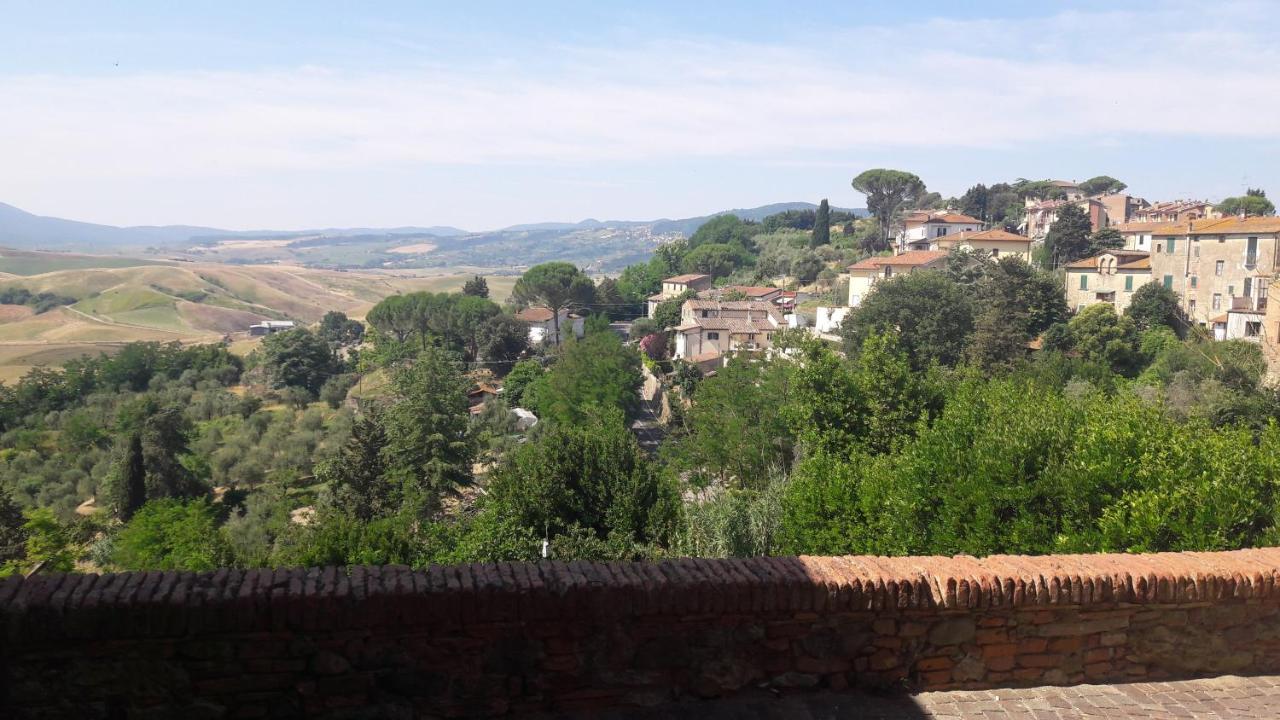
(936, 84)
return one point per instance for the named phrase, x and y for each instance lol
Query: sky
(285, 115)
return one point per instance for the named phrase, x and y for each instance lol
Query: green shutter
(1172, 243)
(1168, 282)
(1128, 282)
(1084, 281)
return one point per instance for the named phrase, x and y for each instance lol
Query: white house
(675, 286)
(710, 329)
(864, 274)
(271, 326)
(918, 227)
(542, 327)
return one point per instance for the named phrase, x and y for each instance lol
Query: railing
(1249, 304)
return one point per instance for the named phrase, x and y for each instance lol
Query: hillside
(188, 302)
(599, 246)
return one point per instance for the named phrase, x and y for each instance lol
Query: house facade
(711, 330)
(864, 274)
(754, 293)
(1042, 214)
(676, 286)
(1177, 211)
(542, 326)
(996, 243)
(1111, 277)
(922, 227)
(1221, 269)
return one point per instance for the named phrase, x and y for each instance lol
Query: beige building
(864, 274)
(711, 330)
(925, 226)
(1111, 277)
(1042, 214)
(996, 243)
(1221, 268)
(1177, 211)
(673, 287)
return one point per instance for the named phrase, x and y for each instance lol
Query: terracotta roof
(988, 235)
(729, 305)
(1230, 225)
(1139, 226)
(752, 291)
(953, 218)
(688, 278)
(535, 314)
(1125, 260)
(914, 258)
(1220, 319)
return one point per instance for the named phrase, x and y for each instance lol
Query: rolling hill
(189, 302)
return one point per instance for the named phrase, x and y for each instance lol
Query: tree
(821, 226)
(1022, 289)
(339, 330)
(126, 488)
(806, 267)
(595, 372)
(502, 339)
(13, 537)
(172, 535)
(667, 314)
(1068, 238)
(298, 358)
(1101, 335)
(888, 192)
(1153, 305)
(714, 259)
(931, 314)
(1253, 202)
(594, 478)
(610, 302)
(1101, 184)
(477, 286)
(1107, 238)
(556, 286)
(725, 230)
(999, 336)
(426, 428)
(974, 202)
(522, 374)
(356, 476)
(165, 436)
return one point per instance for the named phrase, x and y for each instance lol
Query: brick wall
(509, 637)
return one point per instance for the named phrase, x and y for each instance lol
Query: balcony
(1249, 304)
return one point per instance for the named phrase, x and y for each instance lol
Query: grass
(27, 265)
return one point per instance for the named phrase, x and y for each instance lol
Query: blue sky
(280, 115)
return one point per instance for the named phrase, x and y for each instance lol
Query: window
(706, 313)
(1195, 282)
(1159, 247)
(1084, 281)
(1217, 268)
(1191, 306)
(713, 336)
(1195, 247)
(1128, 283)
(1217, 301)
(1251, 253)
(1222, 238)
(1248, 287)
(1231, 291)
(1168, 282)
(1252, 328)
(1172, 243)
(939, 232)
(995, 252)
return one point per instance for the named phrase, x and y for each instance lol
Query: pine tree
(821, 226)
(126, 491)
(13, 536)
(356, 475)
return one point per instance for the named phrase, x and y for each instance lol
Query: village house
(864, 274)
(267, 327)
(1137, 234)
(1110, 277)
(923, 226)
(1177, 211)
(1221, 268)
(542, 326)
(1042, 214)
(755, 293)
(674, 287)
(996, 243)
(710, 330)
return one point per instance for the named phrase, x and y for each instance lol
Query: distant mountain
(24, 230)
(21, 229)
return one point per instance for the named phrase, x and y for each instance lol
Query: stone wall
(510, 637)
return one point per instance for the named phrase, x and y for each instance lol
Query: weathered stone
(953, 632)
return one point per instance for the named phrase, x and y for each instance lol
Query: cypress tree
(821, 226)
(127, 490)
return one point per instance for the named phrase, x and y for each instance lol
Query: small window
(1217, 301)
(995, 252)
(1128, 283)
(1222, 238)
(1084, 281)
(1217, 268)
(1168, 282)
(1159, 247)
(1248, 287)
(706, 313)
(1252, 328)
(1195, 247)
(1191, 306)
(1231, 291)
(713, 336)
(1172, 244)
(1195, 282)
